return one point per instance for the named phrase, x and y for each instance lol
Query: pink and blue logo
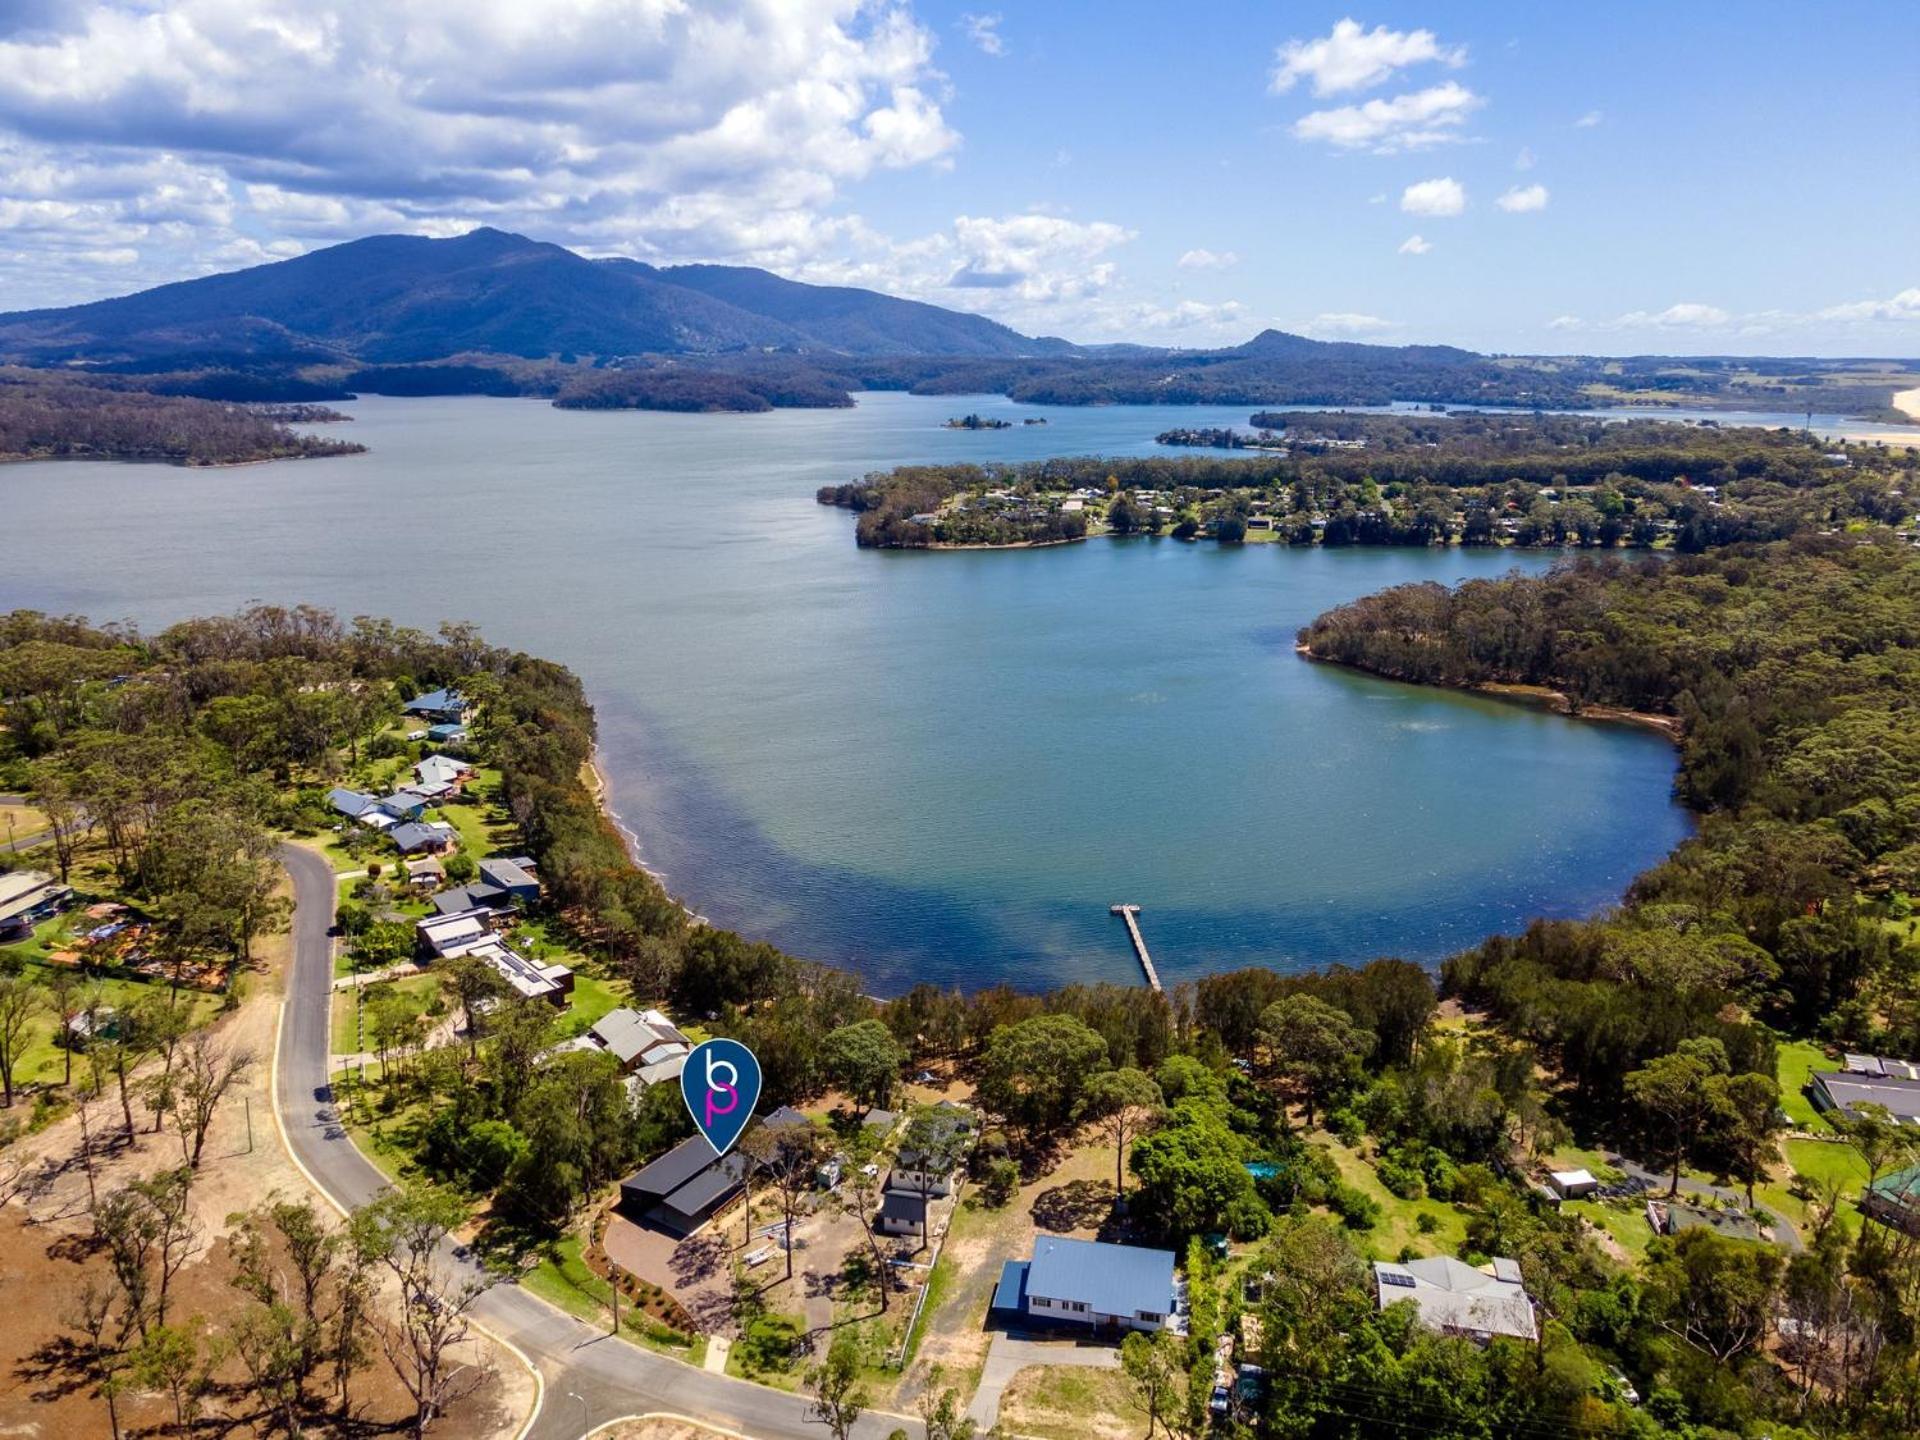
(721, 1083)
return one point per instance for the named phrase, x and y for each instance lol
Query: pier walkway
(1130, 914)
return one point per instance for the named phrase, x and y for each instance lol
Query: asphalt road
(590, 1378)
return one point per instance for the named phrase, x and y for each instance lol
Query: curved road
(589, 1377)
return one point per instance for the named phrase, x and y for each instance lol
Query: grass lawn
(420, 990)
(563, 1280)
(1797, 1061)
(593, 997)
(1069, 1402)
(1399, 1225)
(1625, 1222)
(17, 822)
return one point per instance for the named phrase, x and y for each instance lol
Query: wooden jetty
(1130, 914)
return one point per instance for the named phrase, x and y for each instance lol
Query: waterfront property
(1090, 1282)
(1455, 1298)
(441, 707)
(1893, 1085)
(646, 1044)
(471, 932)
(903, 1212)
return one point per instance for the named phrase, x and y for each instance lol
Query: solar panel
(1387, 1277)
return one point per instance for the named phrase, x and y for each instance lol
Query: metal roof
(1452, 1295)
(1108, 1279)
(1011, 1292)
(507, 875)
(905, 1205)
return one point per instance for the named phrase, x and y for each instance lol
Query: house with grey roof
(1455, 1298)
(1092, 1283)
(512, 875)
(645, 1043)
(28, 897)
(903, 1212)
(351, 803)
(685, 1188)
(475, 895)
(441, 771)
(415, 838)
(1894, 1200)
(1893, 1085)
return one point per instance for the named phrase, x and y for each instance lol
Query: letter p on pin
(720, 1083)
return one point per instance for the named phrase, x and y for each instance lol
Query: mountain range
(400, 299)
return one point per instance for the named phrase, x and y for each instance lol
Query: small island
(1220, 438)
(977, 422)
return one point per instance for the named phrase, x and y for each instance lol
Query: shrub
(1356, 1210)
(1426, 1222)
(999, 1182)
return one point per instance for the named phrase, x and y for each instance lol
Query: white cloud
(730, 129)
(1406, 122)
(1344, 322)
(1566, 322)
(1352, 58)
(1209, 260)
(1525, 159)
(1035, 258)
(1904, 306)
(1441, 196)
(1523, 199)
(1687, 315)
(1414, 245)
(984, 32)
(1589, 120)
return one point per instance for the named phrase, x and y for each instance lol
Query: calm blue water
(923, 766)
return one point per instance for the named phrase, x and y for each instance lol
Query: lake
(921, 766)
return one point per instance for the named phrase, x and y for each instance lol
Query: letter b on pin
(721, 1083)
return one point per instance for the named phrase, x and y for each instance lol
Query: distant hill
(396, 299)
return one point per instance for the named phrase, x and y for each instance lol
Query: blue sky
(1507, 177)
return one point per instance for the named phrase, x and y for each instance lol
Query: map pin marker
(721, 1083)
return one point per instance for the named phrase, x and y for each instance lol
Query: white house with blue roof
(1089, 1282)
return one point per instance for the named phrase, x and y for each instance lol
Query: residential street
(589, 1377)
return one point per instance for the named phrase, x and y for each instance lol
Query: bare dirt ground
(658, 1429)
(46, 1255)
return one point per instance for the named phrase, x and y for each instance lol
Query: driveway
(589, 1377)
(1009, 1354)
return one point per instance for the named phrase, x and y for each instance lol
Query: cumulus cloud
(1566, 322)
(1414, 245)
(1345, 323)
(1413, 121)
(724, 130)
(1353, 58)
(1037, 258)
(1905, 306)
(1208, 260)
(1589, 120)
(1686, 315)
(1522, 199)
(1441, 196)
(984, 32)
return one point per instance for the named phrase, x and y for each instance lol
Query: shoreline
(1908, 402)
(601, 788)
(1538, 696)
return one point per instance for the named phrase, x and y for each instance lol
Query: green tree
(1312, 1044)
(1746, 1110)
(1034, 1074)
(839, 1399)
(1126, 1102)
(864, 1059)
(1156, 1365)
(21, 1003)
(1674, 1093)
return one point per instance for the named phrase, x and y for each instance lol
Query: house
(28, 897)
(1670, 1217)
(425, 873)
(1089, 1282)
(1455, 1298)
(903, 1212)
(450, 733)
(527, 978)
(477, 895)
(446, 707)
(414, 838)
(645, 1043)
(929, 1172)
(351, 803)
(442, 937)
(1572, 1184)
(511, 876)
(443, 771)
(1894, 1085)
(403, 805)
(1894, 1200)
(881, 1122)
(684, 1188)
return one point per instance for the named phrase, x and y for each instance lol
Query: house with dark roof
(1456, 1298)
(445, 706)
(510, 875)
(1090, 1282)
(351, 803)
(1894, 1200)
(1893, 1085)
(475, 895)
(28, 897)
(683, 1189)
(903, 1212)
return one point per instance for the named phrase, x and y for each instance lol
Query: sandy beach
(1908, 401)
